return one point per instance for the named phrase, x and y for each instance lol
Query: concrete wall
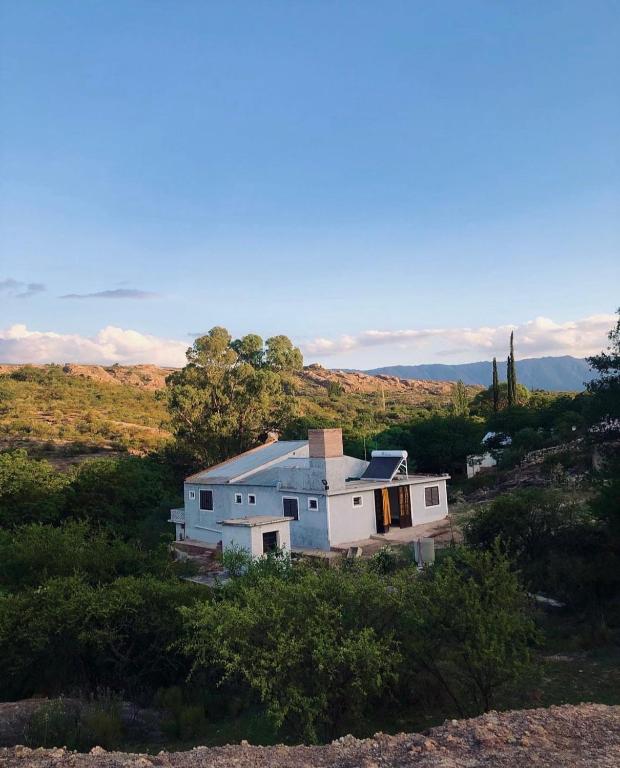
(251, 537)
(348, 523)
(420, 513)
(309, 531)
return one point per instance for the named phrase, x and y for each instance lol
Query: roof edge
(269, 441)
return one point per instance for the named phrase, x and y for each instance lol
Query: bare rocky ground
(581, 736)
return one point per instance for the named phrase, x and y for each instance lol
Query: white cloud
(535, 338)
(110, 345)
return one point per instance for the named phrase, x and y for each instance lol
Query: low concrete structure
(258, 534)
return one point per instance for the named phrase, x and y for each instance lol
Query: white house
(306, 494)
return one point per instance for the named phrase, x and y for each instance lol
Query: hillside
(584, 736)
(557, 374)
(75, 410)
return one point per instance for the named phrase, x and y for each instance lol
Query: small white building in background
(306, 494)
(479, 463)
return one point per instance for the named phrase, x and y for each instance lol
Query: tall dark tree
(513, 369)
(495, 386)
(509, 391)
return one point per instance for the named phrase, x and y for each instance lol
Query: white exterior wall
(251, 537)
(476, 463)
(336, 521)
(420, 513)
(348, 523)
(310, 531)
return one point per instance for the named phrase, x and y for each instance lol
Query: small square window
(251, 498)
(238, 498)
(313, 503)
(357, 501)
(192, 495)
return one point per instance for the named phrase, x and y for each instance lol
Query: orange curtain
(387, 515)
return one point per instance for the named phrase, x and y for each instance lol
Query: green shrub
(53, 724)
(101, 724)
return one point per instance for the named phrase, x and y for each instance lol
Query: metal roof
(249, 461)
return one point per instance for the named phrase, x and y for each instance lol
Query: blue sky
(390, 182)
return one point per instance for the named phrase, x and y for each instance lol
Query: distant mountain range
(560, 374)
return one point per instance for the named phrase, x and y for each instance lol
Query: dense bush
(321, 648)
(562, 548)
(30, 491)
(32, 554)
(68, 634)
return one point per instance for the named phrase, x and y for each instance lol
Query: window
(238, 498)
(431, 496)
(206, 501)
(358, 501)
(270, 541)
(251, 498)
(192, 495)
(291, 507)
(313, 503)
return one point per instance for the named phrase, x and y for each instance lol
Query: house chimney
(325, 443)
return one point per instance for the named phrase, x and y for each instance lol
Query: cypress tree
(509, 381)
(495, 387)
(513, 369)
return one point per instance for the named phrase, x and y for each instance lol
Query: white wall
(348, 523)
(420, 513)
(476, 463)
(310, 531)
(251, 537)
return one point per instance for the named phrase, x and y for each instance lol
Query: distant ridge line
(559, 374)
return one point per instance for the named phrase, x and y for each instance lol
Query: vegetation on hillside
(91, 603)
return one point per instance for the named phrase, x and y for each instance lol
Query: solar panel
(382, 467)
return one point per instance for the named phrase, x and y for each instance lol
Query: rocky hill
(584, 736)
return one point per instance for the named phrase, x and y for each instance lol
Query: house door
(400, 505)
(270, 541)
(404, 502)
(382, 510)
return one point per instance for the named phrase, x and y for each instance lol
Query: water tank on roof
(389, 454)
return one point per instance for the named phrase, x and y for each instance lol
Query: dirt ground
(584, 736)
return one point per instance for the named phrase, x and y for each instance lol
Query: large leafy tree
(231, 393)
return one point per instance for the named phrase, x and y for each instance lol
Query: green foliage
(128, 494)
(560, 548)
(467, 624)
(302, 644)
(322, 647)
(32, 554)
(495, 387)
(231, 393)
(75, 725)
(53, 724)
(459, 400)
(236, 560)
(437, 444)
(78, 413)
(70, 634)
(29, 490)
(606, 387)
